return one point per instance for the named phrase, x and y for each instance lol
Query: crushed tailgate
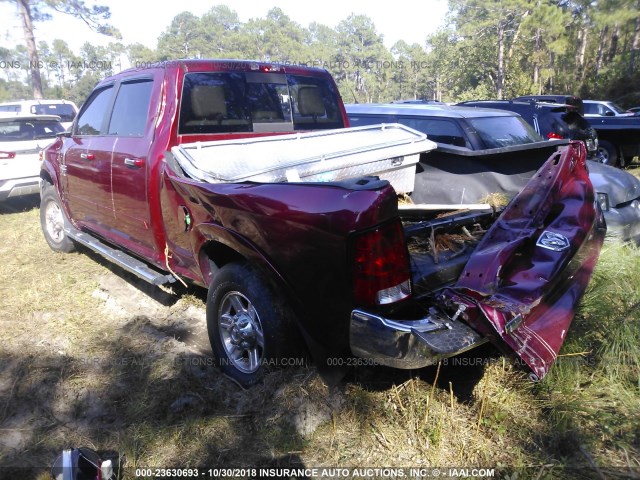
(522, 282)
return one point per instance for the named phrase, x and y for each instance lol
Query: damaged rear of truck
(512, 277)
(397, 284)
(240, 177)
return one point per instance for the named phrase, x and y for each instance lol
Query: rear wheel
(248, 324)
(52, 221)
(608, 153)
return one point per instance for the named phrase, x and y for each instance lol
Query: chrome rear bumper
(409, 343)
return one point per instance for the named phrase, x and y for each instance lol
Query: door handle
(87, 156)
(134, 162)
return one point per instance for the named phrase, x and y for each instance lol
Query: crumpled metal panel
(518, 290)
(389, 151)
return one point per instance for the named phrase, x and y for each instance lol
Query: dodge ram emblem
(553, 241)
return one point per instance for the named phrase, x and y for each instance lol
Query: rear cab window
(215, 102)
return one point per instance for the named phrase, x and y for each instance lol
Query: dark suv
(450, 125)
(493, 150)
(561, 99)
(497, 151)
(551, 120)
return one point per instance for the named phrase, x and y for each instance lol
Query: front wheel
(52, 221)
(248, 324)
(608, 153)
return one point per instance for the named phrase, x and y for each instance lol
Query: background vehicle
(561, 99)
(617, 191)
(22, 137)
(420, 102)
(242, 178)
(481, 144)
(552, 121)
(64, 109)
(618, 133)
(603, 108)
(618, 138)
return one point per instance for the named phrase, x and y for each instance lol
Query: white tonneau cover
(388, 151)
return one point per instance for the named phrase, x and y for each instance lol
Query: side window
(364, 120)
(591, 108)
(131, 109)
(92, 117)
(9, 108)
(441, 131)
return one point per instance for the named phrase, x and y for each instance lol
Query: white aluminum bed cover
(389, 151)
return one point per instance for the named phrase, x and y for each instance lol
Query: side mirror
(609, 113)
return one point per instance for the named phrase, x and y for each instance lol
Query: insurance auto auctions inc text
(381, 473)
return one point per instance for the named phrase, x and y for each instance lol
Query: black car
(551, 120)
(497, 151)
(560, 99)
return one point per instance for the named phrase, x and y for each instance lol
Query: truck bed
(388, 151)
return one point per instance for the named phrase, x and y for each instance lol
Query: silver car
(604, 108)
(618, 193)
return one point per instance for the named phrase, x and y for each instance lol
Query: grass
(90, 360)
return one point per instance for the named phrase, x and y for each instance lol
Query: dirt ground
(95, 357)
(92, 357)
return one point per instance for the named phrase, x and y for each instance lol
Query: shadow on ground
(138, 398)
(19, 204)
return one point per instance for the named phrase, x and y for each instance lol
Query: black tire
(249, 326)
(608, 153)
(52, 221)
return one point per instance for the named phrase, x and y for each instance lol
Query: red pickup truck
(244, 178)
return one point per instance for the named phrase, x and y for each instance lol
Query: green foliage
(593, 390)
(487, 49)
(13, 90)
(183, 38)
(94, 16)
(363, 63)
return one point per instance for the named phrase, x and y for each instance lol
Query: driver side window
(92, 118)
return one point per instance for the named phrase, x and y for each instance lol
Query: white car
(64, 109)
(601, 108)
(22, 137)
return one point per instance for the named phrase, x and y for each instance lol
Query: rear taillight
(554, 136)
(5, 155)
(381, 266)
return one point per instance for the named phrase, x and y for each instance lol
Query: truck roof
(224, 65)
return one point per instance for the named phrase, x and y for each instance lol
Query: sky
(143, 20)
